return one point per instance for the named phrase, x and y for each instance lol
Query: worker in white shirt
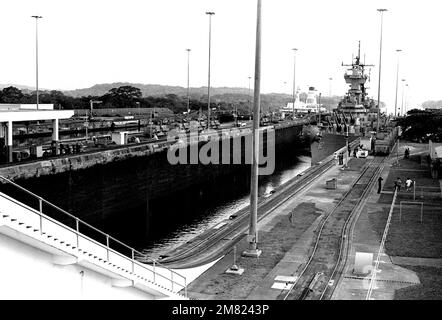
(408, 183)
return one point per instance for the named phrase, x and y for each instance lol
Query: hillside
(152, 90)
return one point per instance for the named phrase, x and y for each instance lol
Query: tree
(12, 95)
(123, 97)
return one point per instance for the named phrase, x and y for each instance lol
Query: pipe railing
(107, 237)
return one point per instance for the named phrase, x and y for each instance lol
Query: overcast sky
(85, 42)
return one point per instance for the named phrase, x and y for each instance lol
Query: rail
(320, 232)
(173, 277)
(381, 248)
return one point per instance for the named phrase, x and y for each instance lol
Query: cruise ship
(310, 105)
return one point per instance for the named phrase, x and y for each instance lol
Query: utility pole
(252, 237)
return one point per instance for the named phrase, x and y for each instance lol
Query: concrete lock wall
(28, 273)
(150, 177)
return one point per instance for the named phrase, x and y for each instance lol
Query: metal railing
(173, 278)
(381, 248)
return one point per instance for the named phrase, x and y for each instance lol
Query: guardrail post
(77, 227)
(185, 287)
(154, 271)
(107, 247)
(41, 224)
(133, 262)
(40, 205)
(414, 190)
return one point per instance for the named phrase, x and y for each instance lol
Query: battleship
(355, 115)
(356, 108)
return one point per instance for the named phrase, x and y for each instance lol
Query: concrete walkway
(285, 245)
(393, 273)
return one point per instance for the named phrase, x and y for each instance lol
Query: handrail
(107, 236)
(381, 248)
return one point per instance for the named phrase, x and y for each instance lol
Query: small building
(10, 113)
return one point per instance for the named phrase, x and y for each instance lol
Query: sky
(86, 42)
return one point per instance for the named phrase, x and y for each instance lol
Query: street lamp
(252, 236)
(250, 101)
(329, 93)
(36, 53)
(208, 85)
(380, 64)
(188, 75)
(397, 81)
(294, 80)
(406, 97)
(403, 89)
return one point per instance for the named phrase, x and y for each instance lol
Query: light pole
(397, 81)
(250, 101)
(406, 98)
(208, 85)
(329, 93)
(294, 80)
(188, 75)
(252, 237)
(380, 65)
(36, 54)
(402, 104)
(319, 109)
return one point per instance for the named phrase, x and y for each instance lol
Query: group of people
(397, 184)
(408, 184)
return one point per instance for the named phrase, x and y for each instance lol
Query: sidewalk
(410, 267)
(284, 245)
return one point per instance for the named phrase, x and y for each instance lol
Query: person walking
(408, 183)
(380, 184)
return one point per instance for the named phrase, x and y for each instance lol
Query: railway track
(320, 274)
(205, 249)
(215, 243)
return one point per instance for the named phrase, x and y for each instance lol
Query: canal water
(113, 198)
(209, 205)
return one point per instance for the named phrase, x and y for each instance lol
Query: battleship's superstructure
(356, 107)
